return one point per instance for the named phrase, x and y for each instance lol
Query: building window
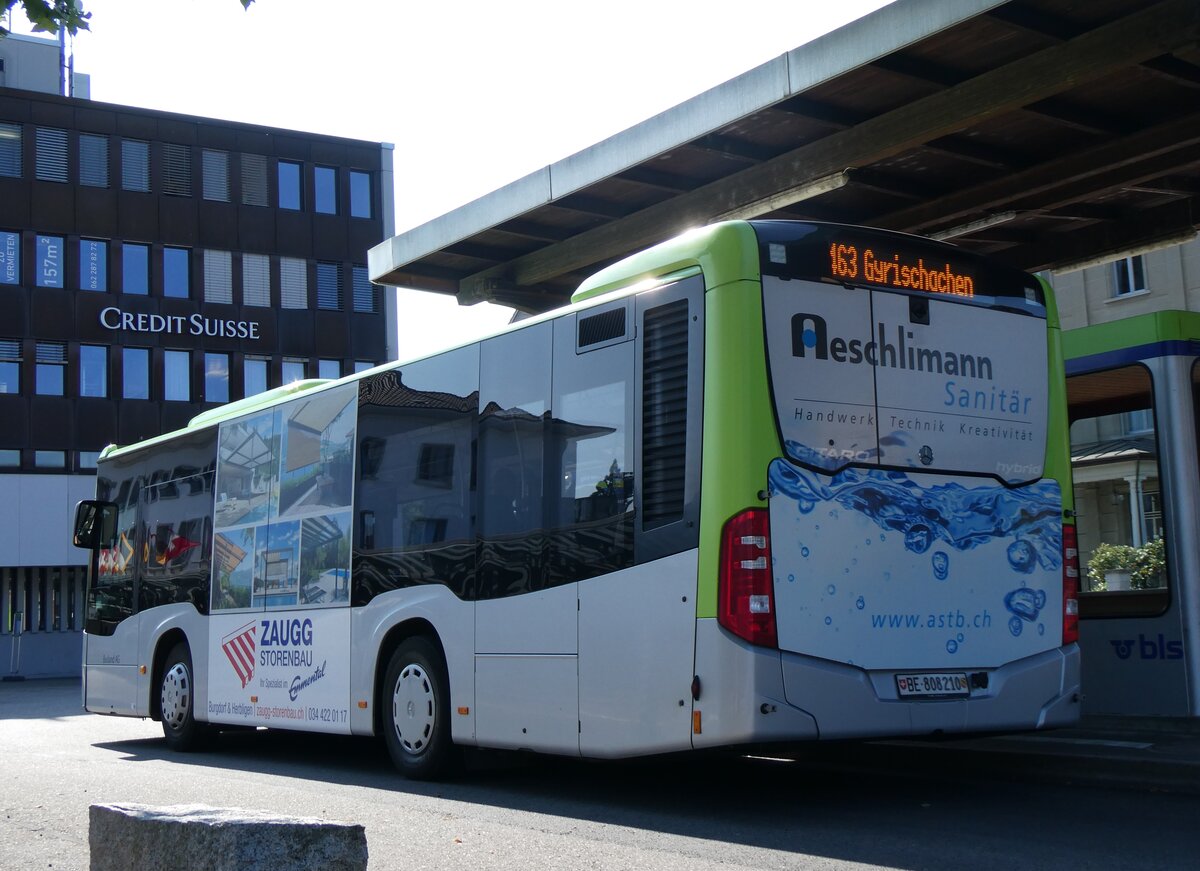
(254, 180)
(10, 458)
(89, 459)
(362, 290)
(254, 372)
(50, 371)
(176, 280)
(10, 149)
(50, 459)
(10, 257)
(49, 272)
(93, 264)
(329, 369)
(177, 170)
(293, 370)
(325, 190)
(329, 286)
(135, 268)
(135, 365)
(214, 169)
(218, 276)
(363, 365)
(50, 159)
(135, 165)
(289, 185)
(93, 370)
(10, 366)
(176, 376)
(293, 282)
(256, 280)
(1129, 275)
(216, 377)
(93, 160)
(360, 194)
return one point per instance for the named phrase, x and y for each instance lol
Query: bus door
(111, 637)
(1134, 463)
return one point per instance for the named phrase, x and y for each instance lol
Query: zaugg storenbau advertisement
(280, 626)
(916, 565)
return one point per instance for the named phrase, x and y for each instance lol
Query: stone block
(134, 837)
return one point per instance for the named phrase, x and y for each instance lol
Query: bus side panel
(408, 610)
(286, 668)
(742, 699)
(637, 631)
(111, 663)
(527, 671)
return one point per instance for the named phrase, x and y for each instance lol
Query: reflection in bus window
(415, 476)
(1118, 501)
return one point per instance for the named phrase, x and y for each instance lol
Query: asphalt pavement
(1141, 753)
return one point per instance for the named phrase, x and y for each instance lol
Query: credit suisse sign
(112, 318)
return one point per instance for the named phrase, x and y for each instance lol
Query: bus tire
(416, 711)
(177, 700)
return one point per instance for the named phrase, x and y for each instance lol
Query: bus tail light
(745, 586)
(1070, 541)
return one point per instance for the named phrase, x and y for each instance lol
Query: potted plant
(1124, 567)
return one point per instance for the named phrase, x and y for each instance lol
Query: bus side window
(110, 593)
(178, 543)
(514, 405)
(591, 454)
(414, 500)
(1118, 496)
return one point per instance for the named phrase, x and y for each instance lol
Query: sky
(473, 94)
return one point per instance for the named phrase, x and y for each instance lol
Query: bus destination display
(891, 268)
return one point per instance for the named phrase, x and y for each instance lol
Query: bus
(1133, 393)
(766, 482)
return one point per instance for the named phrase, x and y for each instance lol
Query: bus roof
(1150, 335)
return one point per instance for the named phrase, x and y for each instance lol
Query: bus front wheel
(177, 701)
(416, 711)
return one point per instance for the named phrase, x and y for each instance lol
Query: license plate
(932, 685)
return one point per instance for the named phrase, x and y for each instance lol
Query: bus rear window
(875, 377)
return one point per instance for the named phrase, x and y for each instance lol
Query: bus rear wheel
(177, 700)
(416, 711)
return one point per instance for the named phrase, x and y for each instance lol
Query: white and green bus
(766, 482)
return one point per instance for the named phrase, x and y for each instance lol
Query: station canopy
(1047, 133)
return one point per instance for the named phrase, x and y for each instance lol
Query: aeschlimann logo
(810, 337)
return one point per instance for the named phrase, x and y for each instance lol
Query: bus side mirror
(95, 524)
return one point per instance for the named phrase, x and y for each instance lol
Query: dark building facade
(152, 266)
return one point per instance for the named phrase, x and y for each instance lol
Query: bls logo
(1149, 648)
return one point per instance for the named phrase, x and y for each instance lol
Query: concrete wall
(1088, 296)
(37, 514)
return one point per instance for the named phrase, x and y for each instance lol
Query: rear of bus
(887, 545)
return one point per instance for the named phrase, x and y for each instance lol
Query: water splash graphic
(950, 513)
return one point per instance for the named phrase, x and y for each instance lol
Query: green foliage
(1146, 564)
(47, 16)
